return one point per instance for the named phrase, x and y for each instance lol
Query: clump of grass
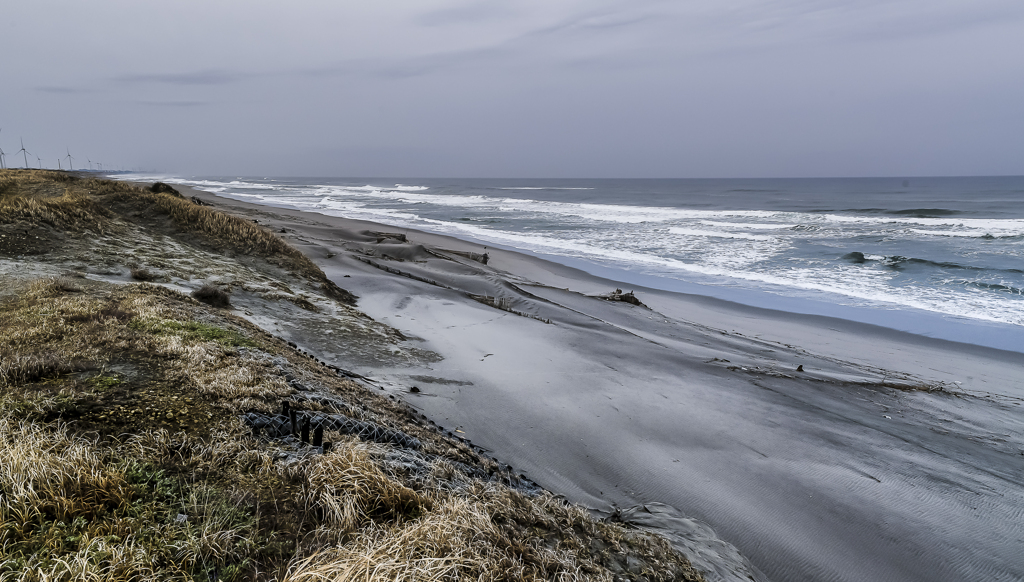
(29, 406)
(54, 175)
(55, 473)
(8, 186)
(102, 314)
(304, 303)
(346, 489)
(459, 539)
(18, 368)
(143, 274)
(54, 286)
(212, 295)
(450, 543)
(102, 383)
(74, 510)
(71, 211)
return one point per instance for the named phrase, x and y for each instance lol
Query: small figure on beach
(485, 258)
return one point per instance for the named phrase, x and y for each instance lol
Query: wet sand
(845, 470)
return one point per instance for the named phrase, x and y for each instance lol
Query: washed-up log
(618, 295)
(478, 257)
(383, 236)
(504, 304)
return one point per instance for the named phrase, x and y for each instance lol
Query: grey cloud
(403, 68)
(873, 19)
(193, 78)
(416, 66)
(578, 87)
(469, 13)
(59, 90)
(173, 103)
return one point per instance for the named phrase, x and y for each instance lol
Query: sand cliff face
(147, 434)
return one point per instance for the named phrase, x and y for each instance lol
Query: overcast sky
(534, 88)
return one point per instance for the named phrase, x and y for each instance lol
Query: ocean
(938, 256)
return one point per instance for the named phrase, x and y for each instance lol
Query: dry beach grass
(125, 456)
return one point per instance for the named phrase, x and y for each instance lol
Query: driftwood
(618, 295)
(504, 304)
(478, 257)
(383, 236)
(398, 272)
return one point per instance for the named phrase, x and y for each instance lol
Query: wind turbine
(23, 152)
(90, 163)
(69, 158)
(40, 162)
(58, 164)
(2, 154)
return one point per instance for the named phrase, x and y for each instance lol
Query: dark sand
(839, 472)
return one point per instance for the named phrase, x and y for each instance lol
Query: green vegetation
(193, 331)
(101, 383)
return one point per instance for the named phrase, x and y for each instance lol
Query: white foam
(599, 212)
(987, 224)
(749, 225)
(719, 234)
(974, 233)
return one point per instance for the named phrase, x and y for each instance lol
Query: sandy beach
(822, 449)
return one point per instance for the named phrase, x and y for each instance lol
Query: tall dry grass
(56, 488)
(347, 489)
(457, 540)
(71, 211)
(74, 509)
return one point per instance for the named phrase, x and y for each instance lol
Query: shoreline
(554, 272)
(913, 320)
(835, 472)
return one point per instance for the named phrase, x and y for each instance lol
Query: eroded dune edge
(152, 427)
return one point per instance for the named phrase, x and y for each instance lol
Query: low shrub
(143, 274)
(212, 295)
(161, 188)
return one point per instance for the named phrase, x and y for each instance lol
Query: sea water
(939, 256)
